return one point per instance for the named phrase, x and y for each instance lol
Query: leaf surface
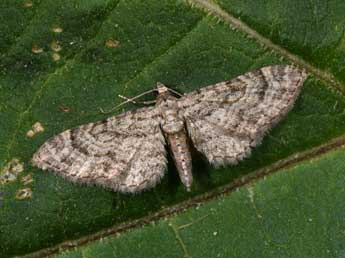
(61, 61)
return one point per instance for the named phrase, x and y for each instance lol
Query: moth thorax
(173, 126)
(161, 88)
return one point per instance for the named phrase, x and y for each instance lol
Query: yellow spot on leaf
(28, 3)
(30, 133)
(55, 45)
(36, 128)
(56, 57)
(112, 43)
(36, 49)
(11, 171)
(57, 29)
(64, 109)
(27, 179)
(24, 193)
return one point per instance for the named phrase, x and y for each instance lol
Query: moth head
(161, 88)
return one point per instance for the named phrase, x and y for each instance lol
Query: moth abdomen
(179, 147)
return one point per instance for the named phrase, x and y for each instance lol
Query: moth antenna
(138, 102)
(126, 101)
(175, 92)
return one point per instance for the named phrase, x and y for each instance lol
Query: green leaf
(61, 61)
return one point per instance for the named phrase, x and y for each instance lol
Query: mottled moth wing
(227, 119)
(124, 152)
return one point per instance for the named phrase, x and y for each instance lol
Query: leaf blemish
(36, 128)
(25, 193)
(55, 46)
(30, 133)
(56, 57)
(112, 43)
(11, 171)
(27, 179)
(64, 109)
(57, 29)
(28, 3)
(36, 49)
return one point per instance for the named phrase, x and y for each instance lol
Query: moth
(223, 121)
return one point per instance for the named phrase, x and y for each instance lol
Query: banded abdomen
(176, 135)
(178, 143)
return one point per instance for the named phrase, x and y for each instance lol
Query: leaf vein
(217, 11)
